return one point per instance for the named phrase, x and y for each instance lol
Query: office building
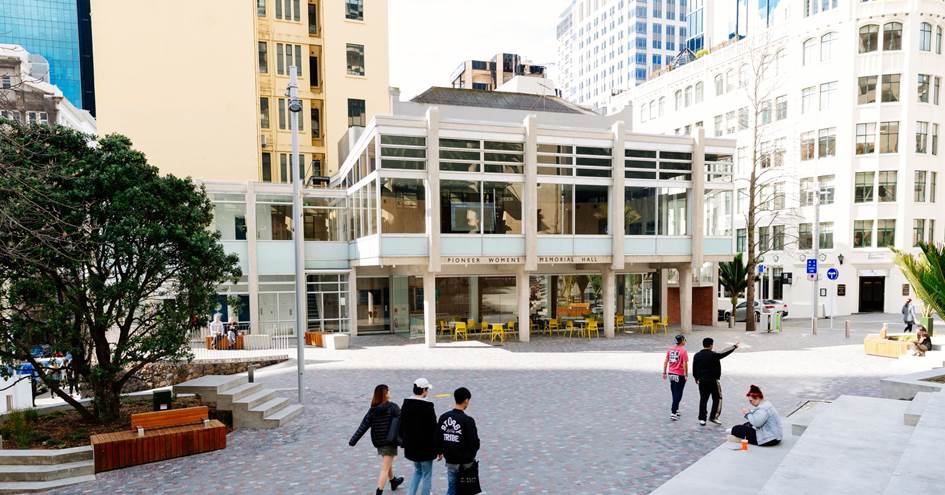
(59, 31)
(849, 103)
(224, 115)
(490, 75)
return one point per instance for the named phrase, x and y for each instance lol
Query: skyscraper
(60, 31)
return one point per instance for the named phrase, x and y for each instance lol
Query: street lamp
(295, 106)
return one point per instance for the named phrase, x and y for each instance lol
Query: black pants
(747, 432)
(710, 388)
(909, 325)
(676, 385)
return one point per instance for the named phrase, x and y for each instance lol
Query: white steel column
(253, 276)
(523, 291)
(610, 300)
(353, 301)
(429, 309)
(531, 193)
(685, 298)
(617, 192)
(433, 188)
(697, 202)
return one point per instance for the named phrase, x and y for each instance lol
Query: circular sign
(833, 274)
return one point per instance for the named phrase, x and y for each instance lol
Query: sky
(430, 38)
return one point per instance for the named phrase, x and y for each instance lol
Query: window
(865, 139)
(826, 46)
(925, 37)
(730, 122)
(933, 178)
(890, 90)
(719, 126)
(280, 60)
(673, 211)
(261, 8)
(766, 112)
(924, 82)
(266, 167)
(743, 76)
(828, 92)
(780, 108)
(931, 237)
(887, 186)
(313, 71)
(807, 145)
(288, 10)
(827, 142)
(743, 118)
(809, 49)
(6, 82)
(867, 93)
(640, 208)
(699, 92)
(688, 95)
(354, 10)
(662, 105)
(921, 137)
(355, 60)
(281, 112)
(316, 122)
(826, 235)
(764, 238)
(888, 137)
(719, 85)
(886, 233)
(555, 208)
(892, 36)
(936, 89)
(312, 19)
(826, 189)
(263, 50)
(862, 233)
(805, 236)
(741, 240)
(590, 210)
(919, 186)
(778, 199)
(938, 40)
(869, 38)
(863, 187)
(777, 238)
(357, 115)
(293, 57)
(264, 113)
(934, 139)
(679, 100)
(807, 99)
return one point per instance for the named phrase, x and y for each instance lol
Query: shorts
(390, 450)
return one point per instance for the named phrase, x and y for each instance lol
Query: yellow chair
(460, 329)
(484, 328)
(618, 321)
(569, 327)
(498, 330)
(663, 322)
(471, 324)
(511, 327)
(592, 327)
(648, 326)
(552, 326)
(444, 328)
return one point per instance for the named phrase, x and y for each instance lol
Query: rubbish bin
(162, 400)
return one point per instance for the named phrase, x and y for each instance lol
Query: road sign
(811, 265)
(833, 274)
(761, 268)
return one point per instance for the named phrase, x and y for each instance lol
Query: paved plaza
(556, 416)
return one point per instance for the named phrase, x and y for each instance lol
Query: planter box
(314, 338)
(927, 323)
(335, 341)
(875, 345)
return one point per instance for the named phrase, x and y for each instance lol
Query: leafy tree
(733, 276)
(100, 257)
(925, 271)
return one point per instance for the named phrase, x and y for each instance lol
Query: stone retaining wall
(165, 374)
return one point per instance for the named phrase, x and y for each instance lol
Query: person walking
(382, 419)
(908, 314)
(420, 436)
(676, 369)
(764, 424)
(706, 371)
(460, 440)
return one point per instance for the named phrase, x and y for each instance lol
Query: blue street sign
(761, 268)
(812, 266)
(833, 274)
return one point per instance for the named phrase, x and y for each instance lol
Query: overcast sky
(430, 38)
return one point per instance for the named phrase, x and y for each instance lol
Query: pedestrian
(677, 366)
(216, 330)
(764, 424)
(908, 314)
(460, 440)
(420, 436)
(382, 419)
(922, 342)
(707, 371)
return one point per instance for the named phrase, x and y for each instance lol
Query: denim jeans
(452, 478)
(421, 479)
(676, 385)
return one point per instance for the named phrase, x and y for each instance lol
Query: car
(767, 306)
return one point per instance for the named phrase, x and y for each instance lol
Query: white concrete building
(851, 100)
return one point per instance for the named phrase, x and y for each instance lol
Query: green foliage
(733, 275)
(101, 257)
(18, 428)
(925, 271)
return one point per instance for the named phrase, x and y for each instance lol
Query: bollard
(252, 372)
(846, 329)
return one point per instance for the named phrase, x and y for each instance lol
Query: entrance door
(871, 294)
(374, 305)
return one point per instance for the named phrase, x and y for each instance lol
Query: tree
(925, 271)
(733, 276)
(101, 258)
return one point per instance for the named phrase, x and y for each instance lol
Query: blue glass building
(60, 31)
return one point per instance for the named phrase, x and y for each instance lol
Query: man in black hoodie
(420, 436)
(460, 440)
(707, 370)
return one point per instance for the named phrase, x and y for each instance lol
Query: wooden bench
(167, 434)
(225, 343)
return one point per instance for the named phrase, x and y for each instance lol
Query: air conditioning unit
(264, 139)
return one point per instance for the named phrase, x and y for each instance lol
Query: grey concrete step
(252, 400)
(801, 417)
(41, 486)
(207, 387)
(225, 399)
(34, 457)
(915, 409)
(46, 472)
(271, 406)
(916, 471)
(848, 449)
(284, 415)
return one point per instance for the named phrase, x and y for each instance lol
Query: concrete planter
(905, 387)
(336, 341)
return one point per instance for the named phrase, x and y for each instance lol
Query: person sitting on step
(764, 424)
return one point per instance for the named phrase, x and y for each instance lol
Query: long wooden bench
(225, 344)
(167, 434)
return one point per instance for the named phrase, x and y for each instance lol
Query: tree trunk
(107, 401)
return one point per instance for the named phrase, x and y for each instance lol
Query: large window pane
(554, 208)
(230, 220)
(403, 206)
(355, 59)
(640, 210)
(673, 211)
(503, 207)
(718, 213)
(324, 219)
(590, 209)
(460, 207)
(273, 222)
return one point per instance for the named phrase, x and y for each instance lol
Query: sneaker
(394, 483)
(702, 422)
(716, 422)
(673, 416)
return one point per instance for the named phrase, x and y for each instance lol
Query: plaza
(555, 415)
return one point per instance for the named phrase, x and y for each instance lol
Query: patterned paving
(556, 416)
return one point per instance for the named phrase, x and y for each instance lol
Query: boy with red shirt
(677, 365)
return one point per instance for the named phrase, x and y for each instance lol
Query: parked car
(766, 306)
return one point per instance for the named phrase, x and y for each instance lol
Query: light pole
(814, 295)
(298, 231)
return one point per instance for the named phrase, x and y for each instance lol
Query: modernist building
(851, 105)
(489, 75)
(493, 207)
(224, 116)
(59, 31)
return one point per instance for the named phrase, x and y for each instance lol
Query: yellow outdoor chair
(618, 321)
(592, 327)
(471, 324)
(460, 329)
(498, 330)
(664, 323)
(444, 328)
(484, 328)
(569, 327)
(552, 326)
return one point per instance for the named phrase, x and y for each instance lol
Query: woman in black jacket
(382, 419)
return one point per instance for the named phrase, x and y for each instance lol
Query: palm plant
(925, 272)
(733, 275)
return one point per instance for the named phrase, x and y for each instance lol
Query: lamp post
(816, 242)
(298, 232)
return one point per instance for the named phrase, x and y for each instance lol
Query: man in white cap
(419, 436)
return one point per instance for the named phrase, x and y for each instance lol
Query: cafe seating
(444, 328)
(618, 321)
(592, 327)
(460, 329)
(569, 327)
(662, 322)
(497, 331)
(552, 326)
(484, 327)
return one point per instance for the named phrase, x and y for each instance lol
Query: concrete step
(45, 457)
(271, 406)
(252, 400)
(284, 415)
(848, 449)
(225, 399)
(916, 471)
(915, 409)
(41, 486)
(207, 387)
(801, 417)
(46, 472)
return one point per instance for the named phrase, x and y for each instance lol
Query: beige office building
(200, 86)
(483, 75)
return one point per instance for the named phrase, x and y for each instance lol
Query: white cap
(423, 383)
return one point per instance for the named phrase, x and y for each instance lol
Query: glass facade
(59, 30)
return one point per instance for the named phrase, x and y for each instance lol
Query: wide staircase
(24, 471)
(252, 405)
(852, 445)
